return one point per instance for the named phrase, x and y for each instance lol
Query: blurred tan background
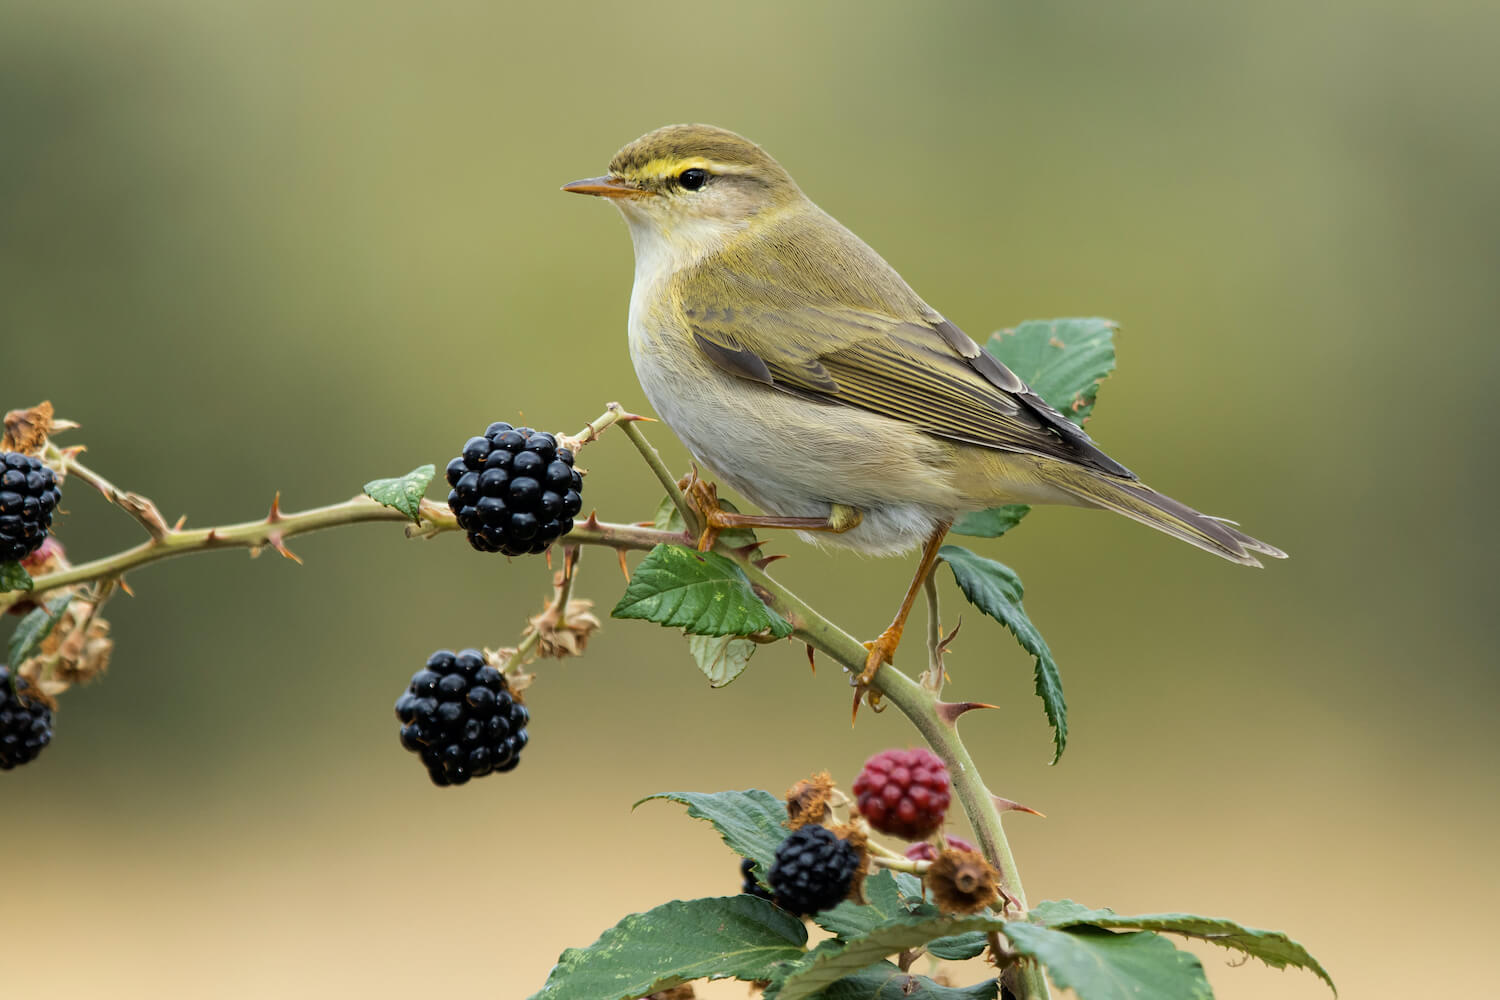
(295, 246)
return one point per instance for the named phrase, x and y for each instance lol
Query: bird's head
(687, 189)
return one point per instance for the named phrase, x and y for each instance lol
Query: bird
(798, 367)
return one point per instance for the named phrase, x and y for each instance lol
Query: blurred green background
(295, 246)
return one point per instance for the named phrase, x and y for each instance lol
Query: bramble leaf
(722, 658)
(1103, 965)
(731, 937)
(958, 947)
(35, 627)
(404, 493)
(1063, 360)
(751, 822)
(701, 592)
(991, 523)
(1272, 947)
(14, 577)
(995, 589)
(850, 919)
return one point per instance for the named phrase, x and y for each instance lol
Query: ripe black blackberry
(25, 721)
(458, 714)
(749, 885)
(514, 490)
(813, 870)
(28, 496)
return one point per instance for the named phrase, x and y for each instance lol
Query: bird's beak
(606, 187)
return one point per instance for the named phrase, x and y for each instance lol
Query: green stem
(271, 531)
(663, 475)
(919, 705)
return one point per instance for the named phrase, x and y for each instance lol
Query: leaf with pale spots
(733, 937)
(995, 589)
(14, 577)
(700, 592)
(1063, 360)
(404, 493)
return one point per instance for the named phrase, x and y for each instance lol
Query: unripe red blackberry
(813, 871)
(514, 490)
(28, 496)
(458, 714)
(903, 792)
(25, 721)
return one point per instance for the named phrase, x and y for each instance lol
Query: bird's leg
(704, 497)
(883, 649)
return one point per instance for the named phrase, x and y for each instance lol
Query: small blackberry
(458, 714)
(903, 792)
(25, 722)
(514, 490)
(813, 870)
(750, 885)
(28, 496)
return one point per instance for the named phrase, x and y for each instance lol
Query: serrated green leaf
(837, 958)
(1063, 360)
(751, 822)
(732, 937)
(405, 493)
(35, 627)
(700, 592)
(883, 981)
(14, 577)
(851, 919)
(959, 947)
(995, 589)
(722, 658)
(1102, 965)
(990, 523)
(1272, 947)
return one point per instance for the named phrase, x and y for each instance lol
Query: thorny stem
(916, 701)
(663, 475)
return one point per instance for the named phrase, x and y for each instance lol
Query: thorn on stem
(949, 711)
(276, 543)
(624, 567)
(812, 659)
(1008, 805)
(275, 513)
(126, 587)
(765, 561)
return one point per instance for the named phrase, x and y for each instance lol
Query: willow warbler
(799, 367)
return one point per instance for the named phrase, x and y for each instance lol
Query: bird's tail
(1143, 504)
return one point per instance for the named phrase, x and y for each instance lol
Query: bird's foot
(881, 651)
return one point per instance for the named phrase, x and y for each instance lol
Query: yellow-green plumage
(798, 366)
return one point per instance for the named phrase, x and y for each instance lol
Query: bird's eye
(693, 178)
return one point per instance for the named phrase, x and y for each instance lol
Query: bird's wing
(887, 353)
